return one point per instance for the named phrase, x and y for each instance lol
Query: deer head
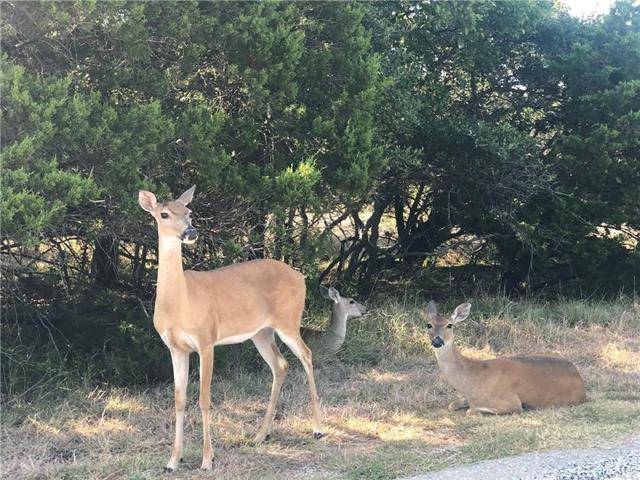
(440, 328)
(348, 306)
(173, 218)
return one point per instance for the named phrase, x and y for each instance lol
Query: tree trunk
(105, 261)
(428, 235)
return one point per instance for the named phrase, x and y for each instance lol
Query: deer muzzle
(190, 235)
(437, 342)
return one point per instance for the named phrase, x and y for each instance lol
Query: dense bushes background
(364, 143)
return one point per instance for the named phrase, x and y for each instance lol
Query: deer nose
(190, 234)
(437, 342)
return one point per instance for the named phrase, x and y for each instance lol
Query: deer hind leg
(265, 342)
(300, 350)
(206, 371)
(180, 361)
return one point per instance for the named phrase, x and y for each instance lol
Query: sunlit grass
(620, 357)
(102, 426)
(120, 403)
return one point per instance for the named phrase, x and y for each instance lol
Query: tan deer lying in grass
(195, 311)
(342, 309)
(501, 385)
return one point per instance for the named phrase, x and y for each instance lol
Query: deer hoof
(318, 435)
(259, 438)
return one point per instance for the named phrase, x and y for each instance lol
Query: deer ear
(187, 196)
(432, 310)
(147, 200)
(333, 294)
(461, 312)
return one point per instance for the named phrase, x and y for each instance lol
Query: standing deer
(342, 309)
(195, 311)
(501, 385)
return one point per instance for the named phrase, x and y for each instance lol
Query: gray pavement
(621, 462)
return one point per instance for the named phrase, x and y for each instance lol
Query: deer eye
(429, 325)
(450, 325)
(164, 215)
(352, 302)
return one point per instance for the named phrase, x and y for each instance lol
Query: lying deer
(501, 385)
(195, 311)
(342, 309)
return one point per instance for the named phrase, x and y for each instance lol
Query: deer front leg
(461, 404)
(499, 406)
(478, 411)
(206, 371)
(180, 361)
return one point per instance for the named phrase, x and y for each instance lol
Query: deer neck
(455, 366)
(171, 280)
(335, 334)
(338, 324)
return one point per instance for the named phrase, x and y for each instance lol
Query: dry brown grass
(384, 418)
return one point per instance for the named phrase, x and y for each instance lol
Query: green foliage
(38, 182)
(596, 152)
